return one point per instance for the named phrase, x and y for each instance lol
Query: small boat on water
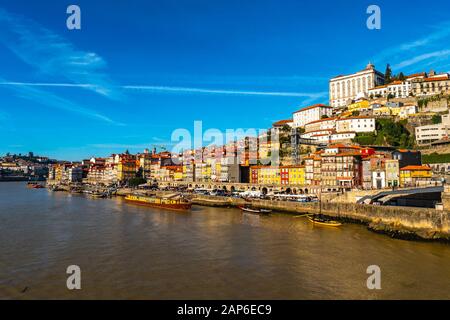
(324, 222)
(258, 211)
(98, 195)
(174, 202)
(34, 185)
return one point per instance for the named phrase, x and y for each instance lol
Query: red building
(284, 174)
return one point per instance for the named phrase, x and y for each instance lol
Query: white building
(432, 85)
(329, 136)
(344, 89)
(434, 132)
(397, 89)
(338, 130)
(356, 124)
(315, 133)
(407, 110)
(310, 114)
(378, 179)
(322, 124)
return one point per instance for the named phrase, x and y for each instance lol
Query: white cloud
(406, 55)
(422, 57)
(30, 92)
(223, 91)
(186, 90)
(53, 55)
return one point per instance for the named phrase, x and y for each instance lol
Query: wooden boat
(34, 185)
(172, 203)
(98, 195)
(259, 211)
(324, 222)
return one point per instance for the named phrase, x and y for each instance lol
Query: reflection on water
(133, 252)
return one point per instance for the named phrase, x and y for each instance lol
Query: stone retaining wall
(401, 222)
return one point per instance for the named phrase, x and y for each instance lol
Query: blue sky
(137, 70)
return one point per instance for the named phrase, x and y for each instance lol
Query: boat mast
(320, 196)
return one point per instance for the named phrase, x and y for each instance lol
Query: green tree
(286, 128)
(436, 119)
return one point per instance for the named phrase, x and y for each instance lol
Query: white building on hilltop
(397, 89)
(345, 88)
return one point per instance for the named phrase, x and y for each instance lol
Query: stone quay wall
(399, 222)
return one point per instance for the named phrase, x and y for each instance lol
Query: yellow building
(178, 174)
(126, 168)
(269, 175)
(59, 172)
(359, 106)
(382, 111)
(413, 176)
(395, 111)
(297, 176)
(206, 172)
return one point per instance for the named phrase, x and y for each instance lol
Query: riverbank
(398, 222)
(20, 179)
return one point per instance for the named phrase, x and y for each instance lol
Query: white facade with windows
(407, 110)
(310, 114)
(356, 124)
(323, 124)
(344, 89)
(397, 89)
(434, 132)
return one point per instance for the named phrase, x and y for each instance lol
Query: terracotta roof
(340, 145)
(421, 74)
(412, 168)
(405, 150)
(343, 132)
(282, 123)
(355, 117)
(322, 120)
(441, 78)
(313, 107)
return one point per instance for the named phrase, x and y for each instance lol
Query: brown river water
(132, 252)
